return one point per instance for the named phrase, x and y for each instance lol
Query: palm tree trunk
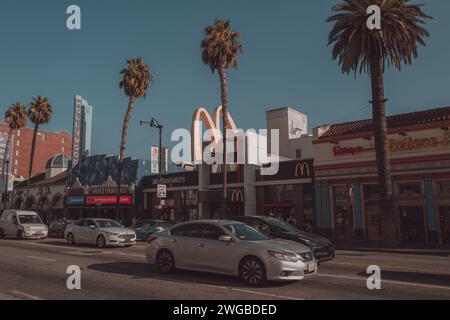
(126, 122)
(33, 146)
(388, 221)
(5, 167)
(224, 97)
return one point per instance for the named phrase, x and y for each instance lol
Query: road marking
(266, 294)
(389, 267)
(412, 284)
(39, 258)
(25, 295)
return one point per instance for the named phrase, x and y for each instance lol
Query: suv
(22, 224)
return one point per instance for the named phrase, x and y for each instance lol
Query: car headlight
(111, 234)
(284, 256)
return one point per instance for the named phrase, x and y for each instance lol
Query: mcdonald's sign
(302, 170)
(237, 196)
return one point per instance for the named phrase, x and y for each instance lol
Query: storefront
(346, 190)
(289, 194)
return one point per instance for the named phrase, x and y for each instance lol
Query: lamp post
(155, 124)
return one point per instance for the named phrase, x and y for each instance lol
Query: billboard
(3, 155)
(154, 160)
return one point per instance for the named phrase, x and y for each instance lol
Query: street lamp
(155, 124)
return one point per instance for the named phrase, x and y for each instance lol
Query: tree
(15, 118)
(220, 49)
(136, 79)
(359, 49)
(40, 112)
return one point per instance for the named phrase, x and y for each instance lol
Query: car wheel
(2, 233)
(252, 271)
(165, 262)
(101, 242)
(20, 235)
(70, 239)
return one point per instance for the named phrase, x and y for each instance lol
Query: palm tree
(40, 112)
(220, 49)
(15, 118)
(359, 49)
(135, 81)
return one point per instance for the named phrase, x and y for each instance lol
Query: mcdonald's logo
(302, 170)
(212, 124)
(237, 196)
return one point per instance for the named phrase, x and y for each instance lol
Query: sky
(286, 62)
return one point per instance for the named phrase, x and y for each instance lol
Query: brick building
(48, 144)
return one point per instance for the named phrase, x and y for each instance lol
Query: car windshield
(282, 225)
(107, 224)
(29, 218)
(245, 232)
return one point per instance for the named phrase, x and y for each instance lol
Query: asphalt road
(37, 270)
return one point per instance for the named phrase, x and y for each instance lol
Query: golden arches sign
(237, 196)
(301, 168)
(211, 124)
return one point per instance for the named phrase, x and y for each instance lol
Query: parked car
(232, 248)
(57, 227)
(322, 248)
(145, 228)
(100, 232)
(22, 225)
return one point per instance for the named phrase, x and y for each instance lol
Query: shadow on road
(147, 271)
(415, 277)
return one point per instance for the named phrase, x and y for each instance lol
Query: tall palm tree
(15, 118)
(136, 79)
(40, 112)
(220, 49)
(359, 49)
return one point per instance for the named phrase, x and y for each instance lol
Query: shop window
(343, 212)
(298, 153)
(444, 188)
(279, 194)
(410, 189)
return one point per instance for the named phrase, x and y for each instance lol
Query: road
(37, 270)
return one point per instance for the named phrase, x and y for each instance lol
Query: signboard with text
(76, 140)
(105, 200)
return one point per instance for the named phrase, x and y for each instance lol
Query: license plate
(38, 234)
(311, 267)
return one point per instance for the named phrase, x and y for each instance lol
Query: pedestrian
(134, 220)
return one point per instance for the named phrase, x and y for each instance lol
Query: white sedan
(100, 232)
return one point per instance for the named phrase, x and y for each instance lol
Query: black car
(57, 228)
(321, 247)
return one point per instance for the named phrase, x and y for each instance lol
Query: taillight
(151, 239)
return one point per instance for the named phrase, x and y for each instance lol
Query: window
(298, 153)
(80, 223)
(444, 188)
(212, 232)
(190, 231)
(18, 143)
(18, 133)
(410, 189)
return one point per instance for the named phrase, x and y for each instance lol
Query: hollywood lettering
(76, 132)
(340, 151)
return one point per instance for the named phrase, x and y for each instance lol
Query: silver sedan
(232, 248)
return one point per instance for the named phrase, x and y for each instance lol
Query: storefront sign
(237, 196)
(411, 144)
(154, 160)
(75, 200)
(76, 141)
(290, 170)
(107, 190)
(341, 151)
(104, 200)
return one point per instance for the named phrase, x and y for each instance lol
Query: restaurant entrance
(412, 225)
(445, 224)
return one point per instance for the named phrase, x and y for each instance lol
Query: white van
(22, 224)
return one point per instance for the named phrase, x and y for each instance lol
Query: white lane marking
(25, 295)
(39, 258)
(412, 284)
(266, 294)
(388, 267)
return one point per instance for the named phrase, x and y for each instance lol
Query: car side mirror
(92, 227)
(226, 238)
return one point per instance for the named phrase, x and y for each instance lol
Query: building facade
(346, 192)
(48, 144)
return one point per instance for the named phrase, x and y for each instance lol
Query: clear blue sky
(286, 63)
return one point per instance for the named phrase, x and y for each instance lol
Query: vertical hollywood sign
(76, 131)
